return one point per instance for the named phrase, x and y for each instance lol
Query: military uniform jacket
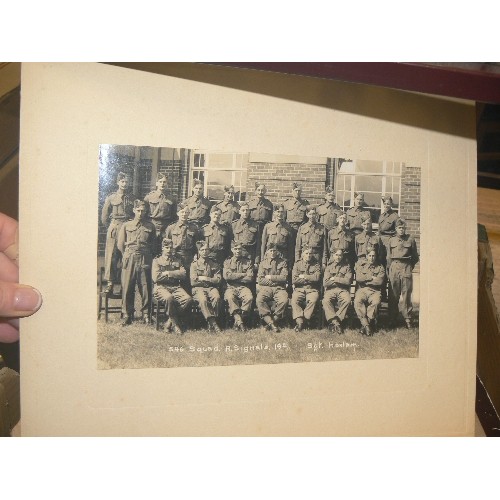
(205, 267)
(341, 273)
(296, 210)
(364, 242)
(238, 271)
(261, 210)
(355, 216)
(184, 237)
(199, 209)
(312, 272)
(168, 271)
(402, 248)
(313, 235)
(281, 234)
(247, 233)
(119, 207)
(277, 269)
(372, 276)
(137, 237)
(342, 239)
(328, 214)
(387, 223)
(230, 211)
(161, 208)
(218, 239)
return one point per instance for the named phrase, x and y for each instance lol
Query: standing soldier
(239, 275)
(246, 232)
(261, 209)
(217, 236)
(306, 279)
(387, 221)
(341, 238)
(296, 209)
(370, 278)
(329, 211)
(402, 257)
(161, 209)
(314, 235)
(357, 213)
(230, 209)
(272, 297)
(136, 241)
(199, 206)
(168, 276)
(184, 235)
(117, 208)
(337, 285)
(367, 240)
(206, 276)
(279, 233)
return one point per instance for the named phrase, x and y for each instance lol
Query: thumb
(18, 300)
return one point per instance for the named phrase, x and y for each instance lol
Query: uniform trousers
(401, 285)
(272, 300)
(366, 304)
(336, 302)
(208, 299)
(236, 295)
(303, 302)
(112, 256)
(136, 271)
(175, 298)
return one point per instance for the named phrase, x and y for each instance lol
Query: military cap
(271, 246)
(121, 176)
(167, 242)
(244, 204)
(386, 198)
(307, 247)
(139, 203)
(235, 245)
(228, 188)
(400, 222)
(359, 194)
(279, 207)
(183, 209)
(215, 208)
(328, 189)
(295, 186)
(197, 182)
(201, 245)
(160, 177)
(311, 208)
(258, 184)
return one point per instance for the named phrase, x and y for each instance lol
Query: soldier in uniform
(168, 276)
(279, 233)
(314, 235)
(341, 238)
(199, 206)
(306, 280)
(184, 235)
(272, 297)
(337, 290)
(136, 241)
(206, 275)
(261, 209)
(246, 232)
(402, 256)
(230, 209)
(239, 274)
(161, 209)
(117, 208)
(329, 211)
(387, 221)
(217, 236)
(367, 240)
(357, 213)
(370, 278)
(296, 209)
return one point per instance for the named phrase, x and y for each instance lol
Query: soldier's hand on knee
(15, 300)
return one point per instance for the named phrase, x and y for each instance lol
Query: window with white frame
(216, 170)
(372, 178)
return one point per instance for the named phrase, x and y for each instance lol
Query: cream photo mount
(69, 109)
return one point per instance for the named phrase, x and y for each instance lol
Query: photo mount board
(69, 109)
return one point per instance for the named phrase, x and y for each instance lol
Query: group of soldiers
(274, 255)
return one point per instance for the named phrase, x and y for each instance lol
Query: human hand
(16, 300)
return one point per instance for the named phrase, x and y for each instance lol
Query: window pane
(346, 167)
(220, 160)
(199, 160)
(368, 183)
(372, 200)
(369, 166)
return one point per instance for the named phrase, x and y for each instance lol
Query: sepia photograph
(211, 258)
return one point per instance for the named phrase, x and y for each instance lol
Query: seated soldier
(272, 297)
(239, 275)
(370, 278)
(205, 279)
(306, 279)
(337, 295)
(168, 276)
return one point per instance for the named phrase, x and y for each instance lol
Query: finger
(9, 330)
(8, 269)
(18, 300)
(9, 236)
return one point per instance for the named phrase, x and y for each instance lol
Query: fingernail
(27, 299)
